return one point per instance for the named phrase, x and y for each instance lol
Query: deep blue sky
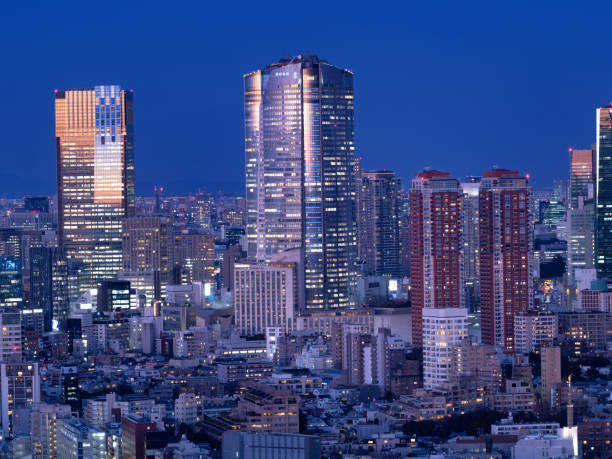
(459, 86)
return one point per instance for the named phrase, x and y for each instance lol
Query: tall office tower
(436, 250)
(580, 216)
(11, 336)
(581, 176)
(19, 391)
(506, 285)
(11, 288)
(603, 193)
(148, 248)
(470, 242)
(49, 284)
(378, 223)
(299, 147)
(94, 131)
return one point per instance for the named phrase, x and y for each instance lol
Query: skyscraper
(95, 171)
(299, 148)
(580, 217)
(581, 175)
(378, 223)
(436, 251)
(505, 254)
(603, 193)
(49, 284)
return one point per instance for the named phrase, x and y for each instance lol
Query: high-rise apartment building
(443, 328)
(378, 223)
(603, 193)
(299, 147)
(94, 131)
(505, 254)
(436, 255)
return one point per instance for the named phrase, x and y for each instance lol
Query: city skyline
(531, 84)
(409, 252)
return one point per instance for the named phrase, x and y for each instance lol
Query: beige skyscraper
(95, 172)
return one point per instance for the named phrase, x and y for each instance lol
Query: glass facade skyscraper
(299, 148)
(95, 172)
(581, 175)
(603, 193)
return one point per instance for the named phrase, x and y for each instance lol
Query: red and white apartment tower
(506, 284)
(436, 251)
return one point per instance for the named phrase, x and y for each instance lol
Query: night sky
(459, 86)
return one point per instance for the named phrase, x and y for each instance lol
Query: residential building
(436, 255)
(506, 285)
(533, 329)
(443, 328)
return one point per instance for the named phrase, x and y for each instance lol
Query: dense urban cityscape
(328, 311)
